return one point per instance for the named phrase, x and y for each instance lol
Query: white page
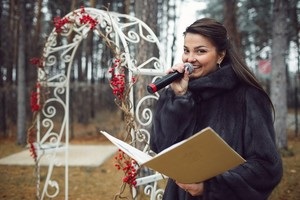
(138, 155)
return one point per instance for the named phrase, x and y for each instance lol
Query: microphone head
(189, 67)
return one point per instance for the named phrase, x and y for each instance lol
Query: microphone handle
(163, 82)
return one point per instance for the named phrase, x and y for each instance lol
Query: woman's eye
(186, 51)
(200, 51)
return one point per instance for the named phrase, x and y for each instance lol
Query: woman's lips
(196, 67)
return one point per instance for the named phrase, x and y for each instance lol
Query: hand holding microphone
(169, 78)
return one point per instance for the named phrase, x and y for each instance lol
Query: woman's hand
(179, 86)
(195, 189)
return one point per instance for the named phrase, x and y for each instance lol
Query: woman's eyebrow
(199, 47)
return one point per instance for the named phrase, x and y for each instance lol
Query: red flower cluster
(117, 81)
(31, 134)
(34, 100)
(84, 19)
(32, 151)
(87, 19)
(128, 166)
(133, 79)
(38, 62)
(82, 9)
(59, 23)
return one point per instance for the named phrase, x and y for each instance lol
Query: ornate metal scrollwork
(123, 30)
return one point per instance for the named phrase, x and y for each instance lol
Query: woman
(223, 94)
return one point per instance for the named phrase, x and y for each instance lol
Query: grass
(103, 182)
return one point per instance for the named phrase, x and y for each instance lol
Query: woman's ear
(221, 56)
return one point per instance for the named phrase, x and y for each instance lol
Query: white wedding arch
(126, 32)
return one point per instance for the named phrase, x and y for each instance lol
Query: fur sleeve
(263, 170)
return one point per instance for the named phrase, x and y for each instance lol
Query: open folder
(195, 159)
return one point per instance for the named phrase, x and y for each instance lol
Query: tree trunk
(172, 19)
(3, 126)
(2, 94)
(278, 80)
(21, 87)
(296, 27)
(34, 49)
(90, 53)
(230, 22)
(13, 38)
(148, 16)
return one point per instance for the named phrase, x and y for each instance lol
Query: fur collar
(213, 84)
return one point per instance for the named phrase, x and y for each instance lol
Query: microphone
(166, 80)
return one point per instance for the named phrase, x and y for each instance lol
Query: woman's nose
(189, 58)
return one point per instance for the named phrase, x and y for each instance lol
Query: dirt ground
(103, 182)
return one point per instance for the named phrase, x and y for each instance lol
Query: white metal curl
(55, 185)
(145, 119)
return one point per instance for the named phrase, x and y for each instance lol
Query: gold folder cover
(196, 159)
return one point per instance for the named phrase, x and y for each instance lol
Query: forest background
(265, 32)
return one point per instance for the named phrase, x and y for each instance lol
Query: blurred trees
(250, 25)
(267, 33)
(25, 26)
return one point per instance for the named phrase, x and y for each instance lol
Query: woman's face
(200, 51)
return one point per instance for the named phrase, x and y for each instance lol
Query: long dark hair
(217, 34)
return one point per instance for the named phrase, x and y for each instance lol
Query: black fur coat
(241, 115)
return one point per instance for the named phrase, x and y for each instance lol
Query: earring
(219, 65)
